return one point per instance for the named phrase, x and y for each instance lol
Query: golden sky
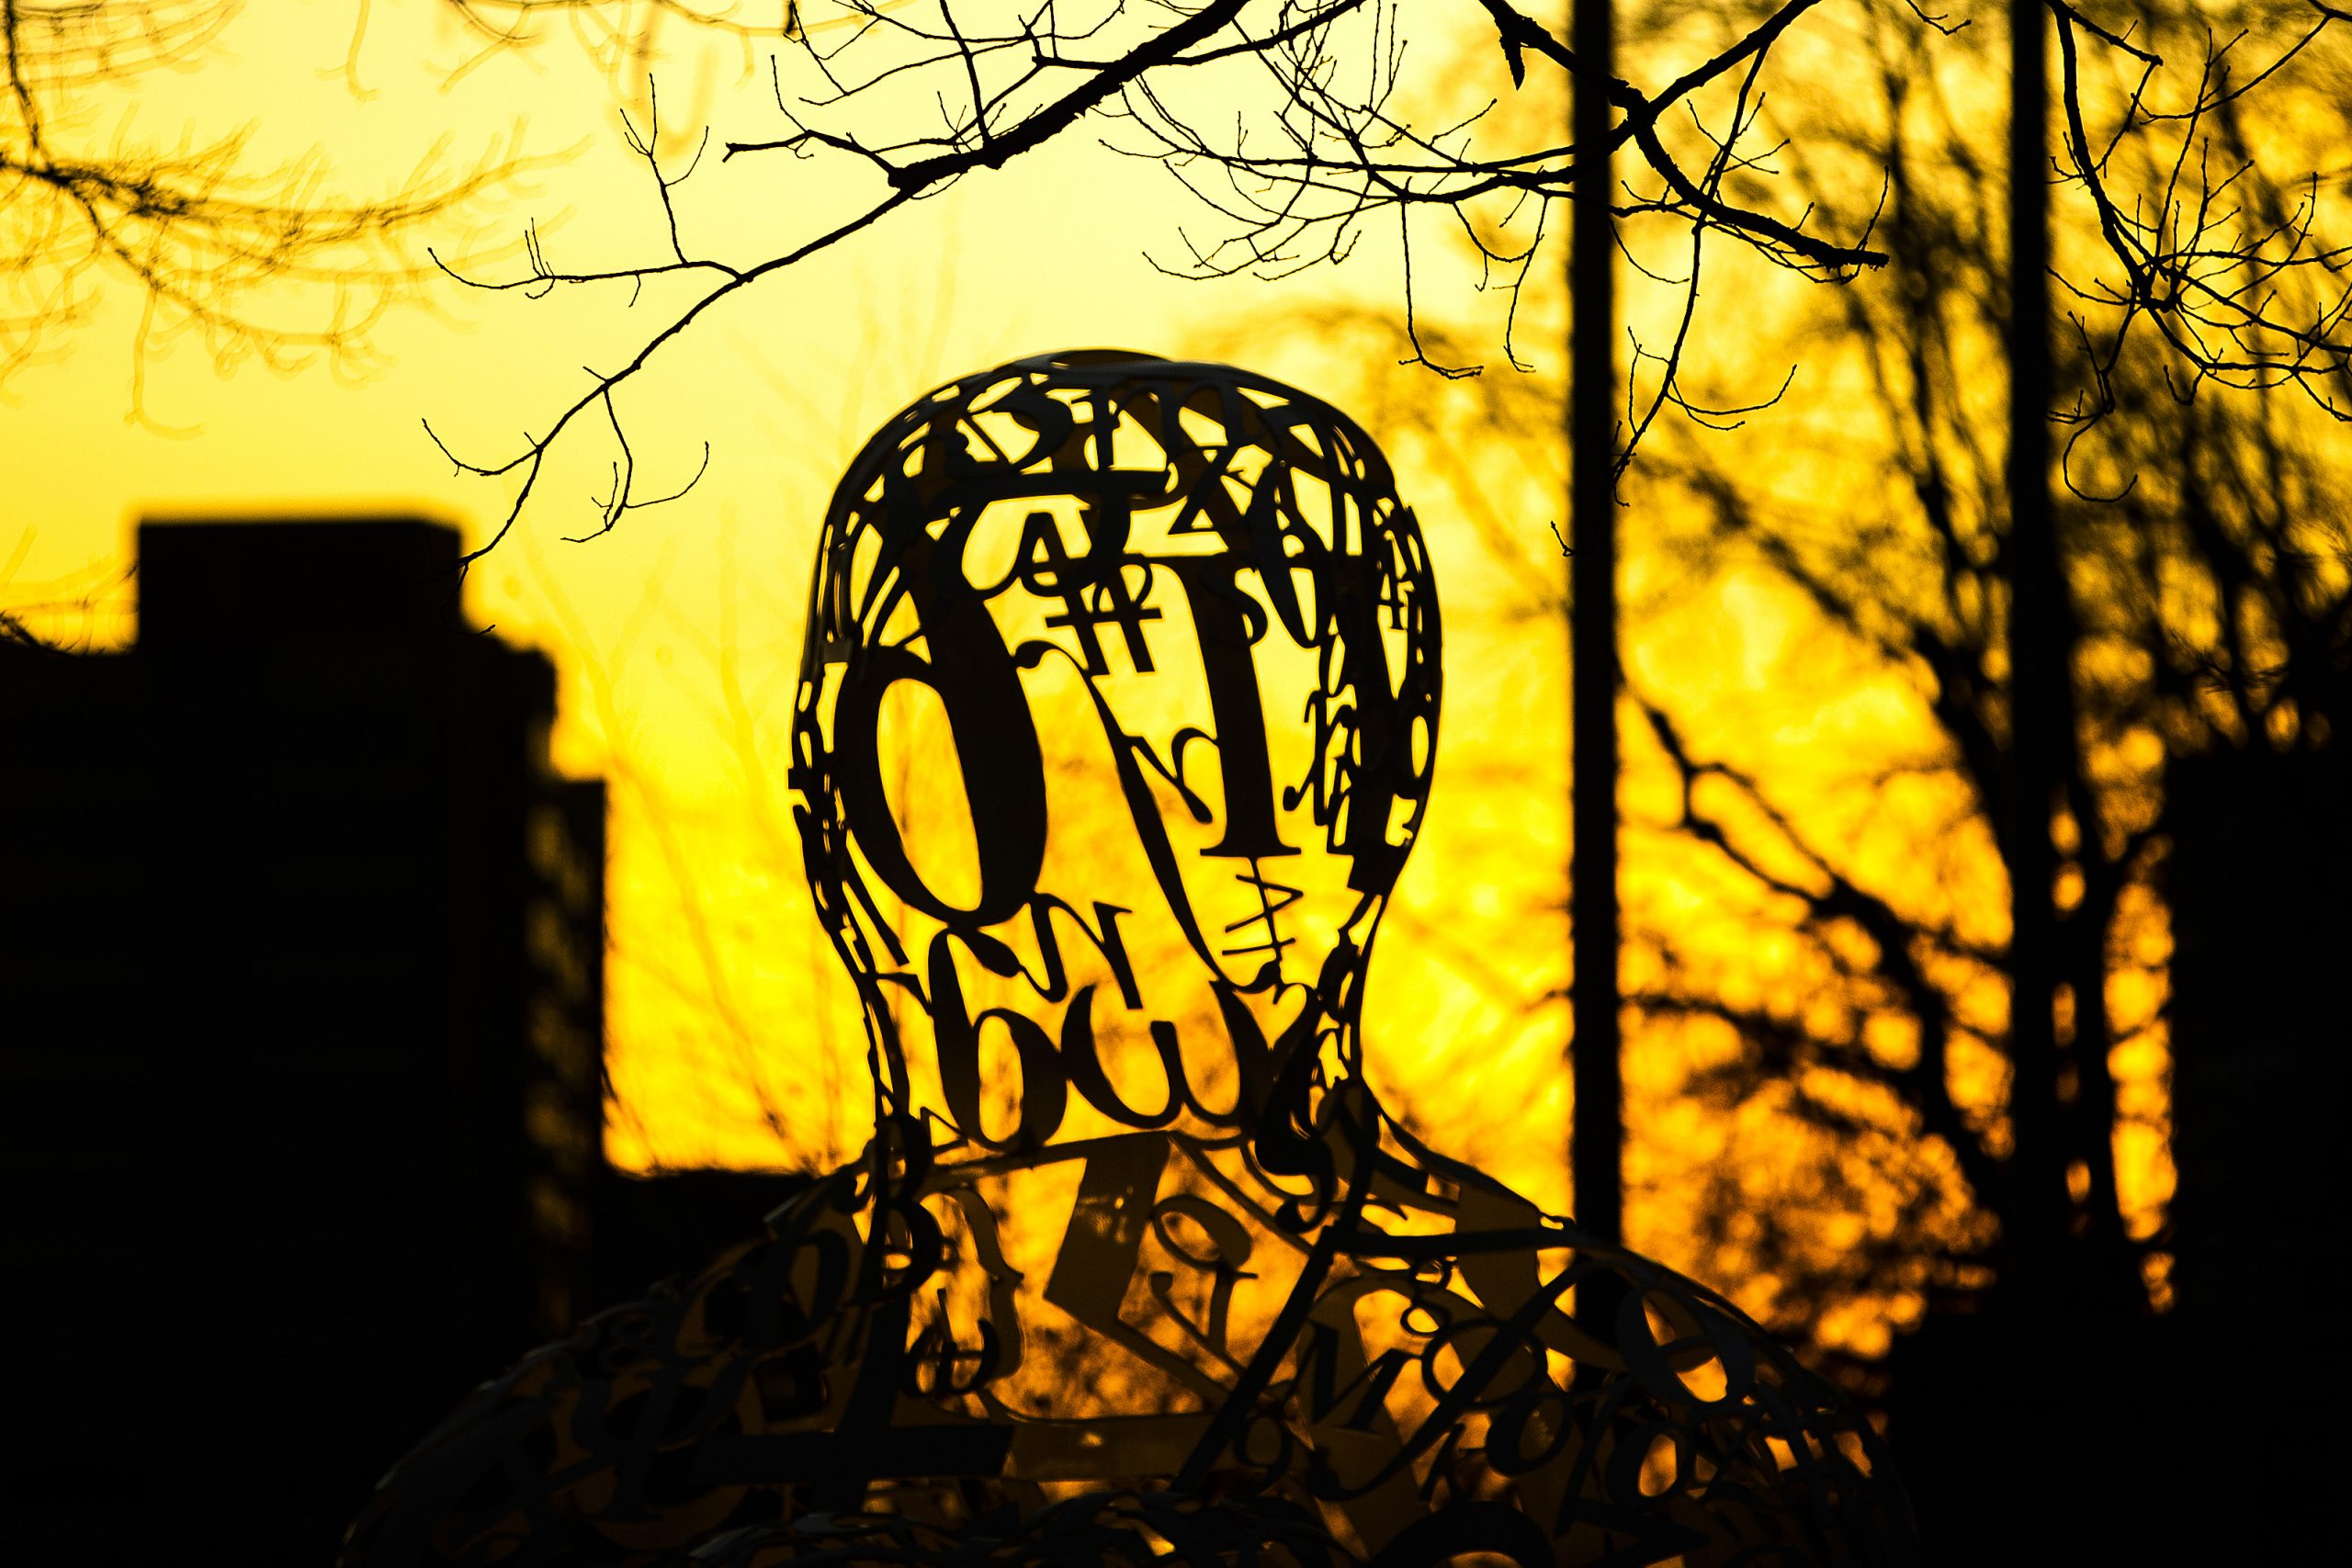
(677, 634)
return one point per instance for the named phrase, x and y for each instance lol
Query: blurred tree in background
(260, 257)
(2205, 548)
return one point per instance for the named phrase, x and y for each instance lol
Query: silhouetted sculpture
(1187, 1277)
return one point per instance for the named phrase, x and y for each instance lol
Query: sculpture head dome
(1184, 637)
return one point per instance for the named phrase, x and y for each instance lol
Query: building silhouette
(2204, 1432)
(301, 1033)
(2259, 882)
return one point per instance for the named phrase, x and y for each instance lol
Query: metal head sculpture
(1167, 557)
(1184, 642)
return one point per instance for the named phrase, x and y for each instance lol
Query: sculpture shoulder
(619, 1431)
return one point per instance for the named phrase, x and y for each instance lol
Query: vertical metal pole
(2039, 670)
(1599, 1135)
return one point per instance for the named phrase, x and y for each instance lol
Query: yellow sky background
(678, 633)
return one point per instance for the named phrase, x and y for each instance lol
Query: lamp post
(1598, 1133)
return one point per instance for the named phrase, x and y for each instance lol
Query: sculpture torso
(1423, 1385)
